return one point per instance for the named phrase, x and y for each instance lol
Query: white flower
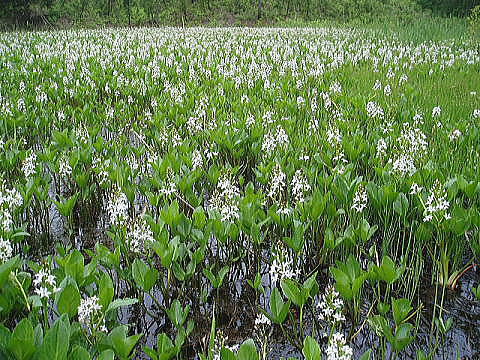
(300, 186)
(277, 182)
(436, 111)
(300, 101)
(29, 165)
(374, 110)
(272, 141)
(338, 349)
(261, 320)
(334, 137)
(360, 199)
(45, 284)
(225, 199)
(64, 168)
(43, 292)
(436, 203)
(381, 148)
(6, 250)
(88, 310)
(282, 268)
(415, 189)
(454, 135)
(117, 207)
(335, 88)
(404, 165)
(387, 90)
(476, 114)
(139, 235)
(197, 160)
(6, 221)
(330, 307)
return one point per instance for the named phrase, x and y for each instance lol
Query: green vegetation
(173, 192)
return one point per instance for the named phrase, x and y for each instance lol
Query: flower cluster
(261, 321)
(197, 160)
(360, 199)
(454, 135)
(45, 284)
(277, 182)
(29, 165)
(330, 307)
(225, 199)
(381, 148)
(64, 168)
(274, 140)
(374, 110)
(117, 207)
(436, 204)
(9, 200)
(6, 250)
(411, 147)
(282, 268)
(169, 187)
(90, 312)
(338, 349)
(139, 235)
(300, 186)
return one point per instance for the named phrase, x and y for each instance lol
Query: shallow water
(235, 312)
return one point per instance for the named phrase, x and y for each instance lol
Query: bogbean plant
(150, 173)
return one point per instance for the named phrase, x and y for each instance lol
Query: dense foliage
(205, 186)
(138, 12)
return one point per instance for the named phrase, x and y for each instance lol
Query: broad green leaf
(68, 298)
(121, 302)
(56, 343)
(105, 290)
(106, 355)
(311, 349)
(292, 291)
(247, 351)
(400, 310)
(79, 353)
(6, 268)
(22, 341)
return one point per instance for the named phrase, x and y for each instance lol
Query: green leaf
(123, 345)
(6, 268)
(105, 290)
(74, 266)
(342, 283)
(79, 353)
(387, 271)
(247, 351)
(292, 291)
(165, 348)
(402, 337)
(278, 308)
(56, 343)
(366, 355)
(227, 354)
(144, 276)
(106, 355)
(177, 314)
(22, 341)
(400, 206)
(400, 310)
(121, 302)
(311, 349)
(68, 298)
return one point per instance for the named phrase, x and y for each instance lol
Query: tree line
(175, 12)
